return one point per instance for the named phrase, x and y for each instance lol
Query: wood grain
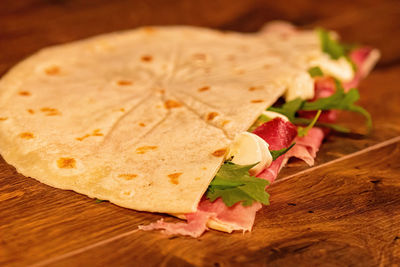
(347, 214)
(354, 204)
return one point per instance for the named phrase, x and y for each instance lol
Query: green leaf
(100, 200)
(277, 153)
(260, 120)
(289, 109)
(234, 184)
(334, 48)
(333, 126)
(315, 72)
(341, 101)
(353, 65)
(302, 131)
(329, 45)
(363, 112)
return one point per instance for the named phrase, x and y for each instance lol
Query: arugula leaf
(260, 120)
(234, 184)
(333, 126)
(289, 109)
(329, 45)
(277, 153)
(334, 48)
(302, 131)
(340, 100)
(315, 72)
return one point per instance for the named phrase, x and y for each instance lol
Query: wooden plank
(373, 23)
(26, 26)
(38, 222)
(346, 214)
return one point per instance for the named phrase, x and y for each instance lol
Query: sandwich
(181, 120)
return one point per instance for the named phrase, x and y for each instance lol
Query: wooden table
(343, 211)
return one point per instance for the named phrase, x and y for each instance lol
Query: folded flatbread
(142, 118)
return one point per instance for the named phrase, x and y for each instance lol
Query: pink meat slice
(364, 58)
(195, 226)
(323, 87)
(306, 147)
(239, 217)
(278, 134)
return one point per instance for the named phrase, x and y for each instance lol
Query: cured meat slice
(306, 147)
(278, 134)
(195, 226)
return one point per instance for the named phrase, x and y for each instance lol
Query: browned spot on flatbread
(50, 111)
(146, 58)
(257, 101)
(241, 71)
(145, 149)
(83, 137)
(124, 82)
(225, 122)
(203, 89)
(204, 168)
(122, 109)
(31, 111)
(219, 152)
(141, 124)
(172, 104)
(197, 178)
(245, 48)
(231, 57)
(174, 177)
(24, 93)
(26, 135)
(3, 118)
(53, 70)
(97, 133)
(127, 176)
(211, 115)
(66, 163)
(200, 56)
(254, 88)
(94, 133)
(161, 91)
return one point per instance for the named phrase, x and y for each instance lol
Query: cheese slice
(248, 148)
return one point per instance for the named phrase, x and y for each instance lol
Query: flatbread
(140, 118)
